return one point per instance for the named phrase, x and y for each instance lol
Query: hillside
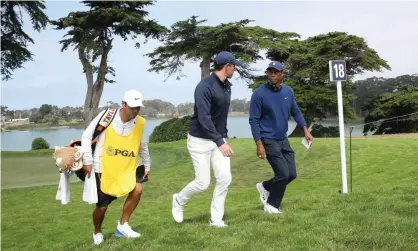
(380, 214)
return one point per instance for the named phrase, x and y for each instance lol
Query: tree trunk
(89, 112)
(94, 91)
(205, 67)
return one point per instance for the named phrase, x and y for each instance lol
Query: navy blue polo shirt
(212, 99)
(270, 110)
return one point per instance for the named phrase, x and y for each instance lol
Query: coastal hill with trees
(50, 115)
(365, 93)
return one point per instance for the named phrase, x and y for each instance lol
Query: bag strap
(103, 123)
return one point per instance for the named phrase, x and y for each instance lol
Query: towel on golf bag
(89, 192)
(90, 189)
(63, 193)
(69, 160)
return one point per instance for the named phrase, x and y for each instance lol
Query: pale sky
(55, 77)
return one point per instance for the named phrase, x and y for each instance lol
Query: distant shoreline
(28, 127)
(43, 127)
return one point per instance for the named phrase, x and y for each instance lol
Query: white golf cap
(133, 98)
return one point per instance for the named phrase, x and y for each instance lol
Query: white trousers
(206, 154)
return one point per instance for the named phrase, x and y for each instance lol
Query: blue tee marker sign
(337, 70)
(338, 73)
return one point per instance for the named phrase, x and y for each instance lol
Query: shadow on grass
(202, 218)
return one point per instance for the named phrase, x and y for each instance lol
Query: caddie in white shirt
(120, 163)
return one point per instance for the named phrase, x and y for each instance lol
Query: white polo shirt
(120, 128)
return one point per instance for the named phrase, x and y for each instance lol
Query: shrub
(39, 143)
(320, 131)
(171, 130)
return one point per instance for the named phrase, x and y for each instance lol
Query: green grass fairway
(380, 214)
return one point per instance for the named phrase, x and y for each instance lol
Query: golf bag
(103, 123)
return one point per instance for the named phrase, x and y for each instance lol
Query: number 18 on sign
(338, 73)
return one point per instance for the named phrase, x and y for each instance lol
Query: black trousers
(282, 160)
(104, 200)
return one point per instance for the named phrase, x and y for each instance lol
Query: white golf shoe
(218, 224)
(269, 209)
(98, 238)
(264, 194)
(177, 209)
(124, 230)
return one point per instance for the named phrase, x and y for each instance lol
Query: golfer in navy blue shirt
(206, 140)
(270, 109)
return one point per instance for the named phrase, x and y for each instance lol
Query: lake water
(22, 140)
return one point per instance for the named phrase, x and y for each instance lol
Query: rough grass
(380, 214)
